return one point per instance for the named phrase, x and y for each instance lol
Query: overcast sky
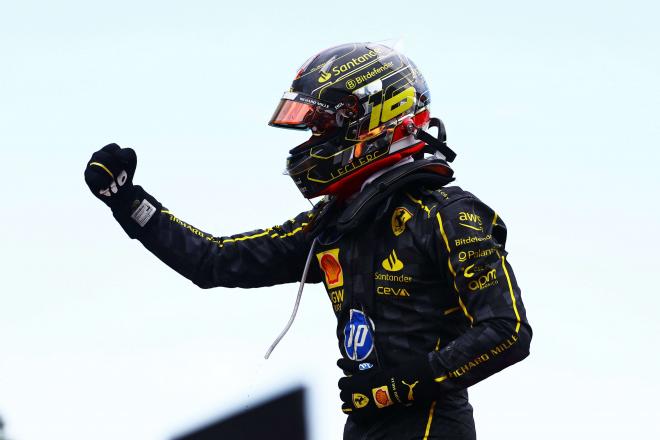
(552, 108)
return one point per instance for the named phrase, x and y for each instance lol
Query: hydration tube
(295, 307)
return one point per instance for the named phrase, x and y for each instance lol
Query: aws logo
(400, 217)
(331, 267)
(470, 217)
(392, 262)
(324, 77)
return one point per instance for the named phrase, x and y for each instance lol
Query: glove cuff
(135, 211)
(413, 382)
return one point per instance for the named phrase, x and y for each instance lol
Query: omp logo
(325, 76)
(358, 339)
(392, 262)
(483, 281)
(329, 262)
(360, 400)
(400, 217)
(467, 272)
(382, 396)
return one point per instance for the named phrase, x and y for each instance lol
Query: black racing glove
(109, 175)
(367, 393)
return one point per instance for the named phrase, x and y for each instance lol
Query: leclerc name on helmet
(367, 106)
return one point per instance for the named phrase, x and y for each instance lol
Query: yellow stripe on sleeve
(442, 232)
(451, 268)
(513, 297)
(430, 420)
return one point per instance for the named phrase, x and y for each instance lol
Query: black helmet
(366, 105)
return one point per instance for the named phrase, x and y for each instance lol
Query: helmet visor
(298, 111)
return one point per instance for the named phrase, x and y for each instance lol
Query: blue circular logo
(358, 336)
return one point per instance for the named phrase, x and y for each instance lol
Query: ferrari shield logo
(400, 217)
(360, 400)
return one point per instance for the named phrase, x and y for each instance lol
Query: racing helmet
(367, 106)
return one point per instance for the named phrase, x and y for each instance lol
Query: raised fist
(109, 173)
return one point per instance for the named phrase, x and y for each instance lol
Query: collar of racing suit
(377, 174)
(332, 217)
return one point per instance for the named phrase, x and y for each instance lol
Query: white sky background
(552, 108)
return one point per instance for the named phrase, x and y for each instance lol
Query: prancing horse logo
(399, 218)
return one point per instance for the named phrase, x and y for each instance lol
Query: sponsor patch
(394, 291)
(411, 386)
(482, 281)
(358, 336)
(470, 217)
(382, 396)
(401, 278)
(331, 267)
(400, 217)
(471, 239)
(143, 213)
(392, 262)
(479, 253)
(360, 400)
(337, 298)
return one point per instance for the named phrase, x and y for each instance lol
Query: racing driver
(416, 271)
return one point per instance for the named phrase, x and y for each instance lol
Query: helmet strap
(434, 144)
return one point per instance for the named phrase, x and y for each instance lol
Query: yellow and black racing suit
(426, 274)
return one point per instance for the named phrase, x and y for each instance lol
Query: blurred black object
(2, 429)
(282, 417)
